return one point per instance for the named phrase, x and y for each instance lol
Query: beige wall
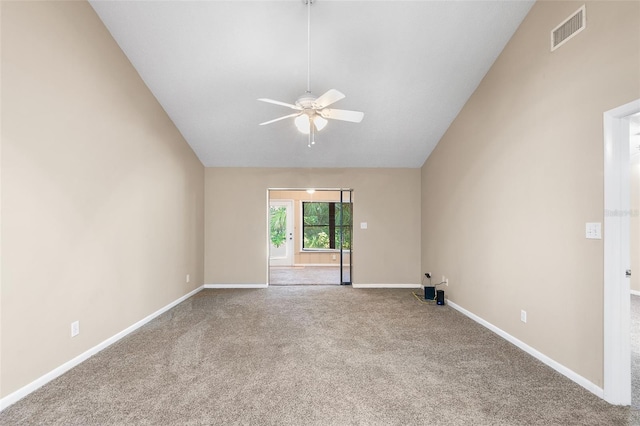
(388, 252)
(102, 199)
(307, 257)
(509, 188)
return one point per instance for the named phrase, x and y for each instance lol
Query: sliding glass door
(344, 229)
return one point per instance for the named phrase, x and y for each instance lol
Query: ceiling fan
(311, 112)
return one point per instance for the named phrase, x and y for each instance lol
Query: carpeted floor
(312, 355)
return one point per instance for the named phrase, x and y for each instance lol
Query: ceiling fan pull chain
(312, 133)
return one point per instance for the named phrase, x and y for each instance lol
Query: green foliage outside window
(278, 225)
(318, 225)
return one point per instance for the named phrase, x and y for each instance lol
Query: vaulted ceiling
(410, 66)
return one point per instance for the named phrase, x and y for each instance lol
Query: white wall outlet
(188, 278)
(446, 282)
(363, 225)
(593, 231)
(523, 316)
(333, 257)
(75, 328)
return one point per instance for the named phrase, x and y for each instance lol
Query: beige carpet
(312, 355)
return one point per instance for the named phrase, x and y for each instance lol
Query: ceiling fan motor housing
(307, 101)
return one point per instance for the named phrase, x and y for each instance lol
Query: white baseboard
(635, 292)
(43, 380)
(588, 385)
(386, 285)
(236, 285)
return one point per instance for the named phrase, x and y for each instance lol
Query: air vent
(569, 28)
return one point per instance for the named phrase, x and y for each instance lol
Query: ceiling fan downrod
(308, 3)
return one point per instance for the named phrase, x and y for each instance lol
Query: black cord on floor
(422, 300)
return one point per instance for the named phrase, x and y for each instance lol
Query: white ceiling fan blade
(342, 114)
(271, 101)
(331, 96)
(280, 118)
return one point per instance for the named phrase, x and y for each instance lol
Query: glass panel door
(280, 233)
(345, 233)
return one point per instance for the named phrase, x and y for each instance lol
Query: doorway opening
(634, 152)
(617, 258)
(310, 236)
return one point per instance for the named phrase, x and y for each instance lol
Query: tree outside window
(278, 225)
(323, 226)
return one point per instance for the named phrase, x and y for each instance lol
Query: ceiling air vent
(568, 28)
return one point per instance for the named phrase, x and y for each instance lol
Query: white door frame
(288, 260)
(617, 332)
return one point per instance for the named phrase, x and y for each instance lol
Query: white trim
(588, 385)
(267, 236)
(616, 288)
(236, 286)
(308, 188)
(635, 292)
(386, 285)
(43, 380)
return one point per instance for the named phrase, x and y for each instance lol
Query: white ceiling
(410, 66)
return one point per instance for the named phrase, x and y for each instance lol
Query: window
(324, 224)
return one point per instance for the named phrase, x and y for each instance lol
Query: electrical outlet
(446, 282)
(427, 274)
(594, 231)
(523, 316)
(75, 328)
(188, 278)
(443, 279)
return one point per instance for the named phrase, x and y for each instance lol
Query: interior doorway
(617, 259)
(320, 236)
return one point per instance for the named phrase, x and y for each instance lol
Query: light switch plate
(593, 230)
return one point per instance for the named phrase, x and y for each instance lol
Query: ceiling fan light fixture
(303, 123)
(320, 122)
